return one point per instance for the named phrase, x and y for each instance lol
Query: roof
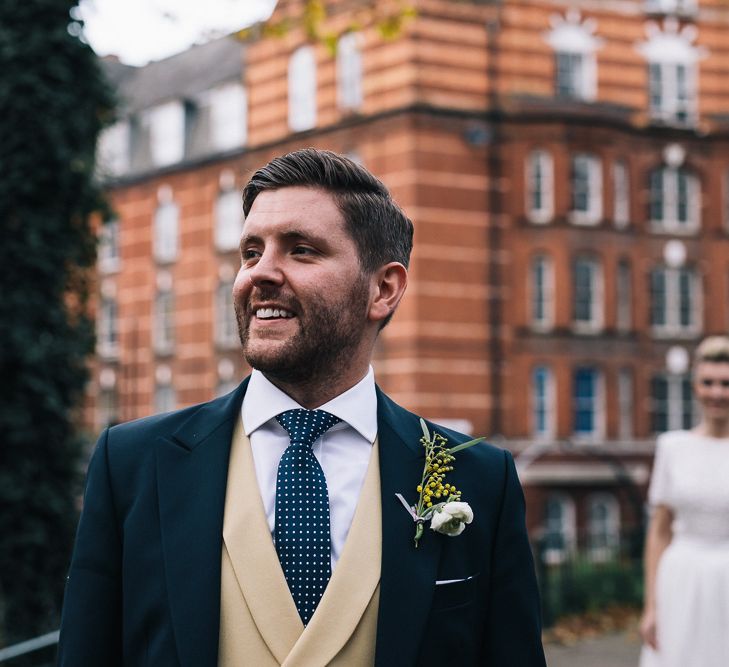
(182, 76)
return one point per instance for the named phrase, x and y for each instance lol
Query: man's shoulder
(484, 451)
(140, 433)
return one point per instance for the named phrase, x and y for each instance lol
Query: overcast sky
(142, 30)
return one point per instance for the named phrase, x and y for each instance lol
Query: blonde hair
(712, 349)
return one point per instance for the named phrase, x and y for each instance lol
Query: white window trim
(626, 396)
(673, 328)
(597, 319)
(547, 323)
(624, 299)
(166, 241)
(621, 194)
(167, 132)
(569, 532)
(302, 89)
(225, 238)
(680, 7)
(550, 404)
(349, 72)
(228, 116)
(670, 222)
(546, 163)
(607, 553)
(108, 328)
(163, 344)
(223, 313)
(109, 256)
(599, 419)
(674, 400)
(594, 212)
(571, 35)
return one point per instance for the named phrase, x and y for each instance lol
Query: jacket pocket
(454, 594)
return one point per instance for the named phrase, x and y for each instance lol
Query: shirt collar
(357, 406)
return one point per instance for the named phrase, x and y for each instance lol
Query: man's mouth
(273, 313)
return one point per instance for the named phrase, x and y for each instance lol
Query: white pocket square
(442, 582)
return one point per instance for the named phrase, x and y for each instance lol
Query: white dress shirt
(343, 451)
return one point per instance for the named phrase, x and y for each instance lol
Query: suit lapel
(192, 469)
(408, 574)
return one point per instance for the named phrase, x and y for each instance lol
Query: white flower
(452, 518)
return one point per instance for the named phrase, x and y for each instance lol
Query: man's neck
(312, 393)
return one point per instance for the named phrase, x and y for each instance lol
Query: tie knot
(305, 426)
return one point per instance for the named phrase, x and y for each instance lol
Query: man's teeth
(266, 313)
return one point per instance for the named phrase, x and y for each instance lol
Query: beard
(328, 334)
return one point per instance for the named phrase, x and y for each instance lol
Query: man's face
(300, 296)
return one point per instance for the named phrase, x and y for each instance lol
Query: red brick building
(566, 165)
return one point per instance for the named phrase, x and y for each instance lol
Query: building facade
(566, 166)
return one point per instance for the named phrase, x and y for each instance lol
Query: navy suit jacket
(144, 582)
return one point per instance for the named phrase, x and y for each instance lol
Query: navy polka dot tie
(302, 534)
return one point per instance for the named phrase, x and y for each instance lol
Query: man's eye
(303, 250)
(249, 253)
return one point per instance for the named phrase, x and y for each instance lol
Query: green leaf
(465, 445)
(425, 429)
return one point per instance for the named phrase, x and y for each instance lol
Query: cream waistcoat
(259, 624)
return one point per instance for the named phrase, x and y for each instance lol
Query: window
(587, 306)
(570, 75)
(108, 408)
(165, 398)
(624, 305)
(621, 195)
(575, 62)
(542, 292)
(672, 72)
(167, 132)
(539, 186)
(674, 200)
(113, 154)
(228, 221)
(586, 183)
(625, 404)
(164, 322)
(672, 405)
(108, 327)
(725, 200)
(226, 327)
(228, 116)
(349, 72)
(166, 221)
(558, 541)
(108, 257)
(542, 402)
(587, 403)
(225, 387)
(603, 527)
(302, 89)
(671, 6)
(675, 301)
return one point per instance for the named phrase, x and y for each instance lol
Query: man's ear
(387, 286)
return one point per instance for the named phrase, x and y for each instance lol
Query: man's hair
(712, 349)
(376, 224)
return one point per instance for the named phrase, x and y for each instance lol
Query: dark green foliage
(580, 585)
(53, 101)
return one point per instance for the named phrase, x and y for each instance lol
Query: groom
(263, 528)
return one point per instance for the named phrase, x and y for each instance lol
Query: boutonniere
(439, 501)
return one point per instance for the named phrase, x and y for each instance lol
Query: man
(263, 528)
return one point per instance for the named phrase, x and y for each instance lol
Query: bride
(685, 619)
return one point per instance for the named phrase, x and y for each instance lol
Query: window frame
(597, 405)
(302, 89)
(671, 326)
(539, 164)
(596, 320)
(591, 176)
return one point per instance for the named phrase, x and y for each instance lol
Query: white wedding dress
(691, 476)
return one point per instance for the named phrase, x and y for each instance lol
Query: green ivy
(53, 102)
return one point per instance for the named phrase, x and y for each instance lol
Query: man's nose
(267, 270)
